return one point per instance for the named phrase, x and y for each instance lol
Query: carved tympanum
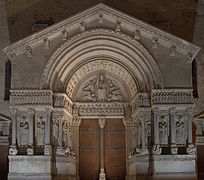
(102, 88)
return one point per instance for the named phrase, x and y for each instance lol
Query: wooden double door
(114, 148)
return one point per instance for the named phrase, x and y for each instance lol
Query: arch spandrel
(109, 46)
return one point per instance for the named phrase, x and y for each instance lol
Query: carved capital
(102, 122)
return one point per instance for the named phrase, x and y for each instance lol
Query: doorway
(114, 148)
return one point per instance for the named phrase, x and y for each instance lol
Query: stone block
(172, 167)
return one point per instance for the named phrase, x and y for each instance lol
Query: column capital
(102, 121)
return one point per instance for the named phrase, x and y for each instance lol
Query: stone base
(174, 167)
(139, 165)
(64, 167)
(30, 167)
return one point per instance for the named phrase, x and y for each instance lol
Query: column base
(102, 175)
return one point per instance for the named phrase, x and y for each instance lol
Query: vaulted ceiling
(175, 16)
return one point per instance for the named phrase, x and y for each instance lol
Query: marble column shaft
(14, 127)
(31, 127)
(47, 127)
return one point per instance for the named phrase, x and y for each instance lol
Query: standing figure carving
(139, 133)
(56, 132)
(163, 130)
(180, 130)
(24, 128)
(67, 135)
(40, 131)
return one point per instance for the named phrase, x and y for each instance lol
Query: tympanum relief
(101, 88)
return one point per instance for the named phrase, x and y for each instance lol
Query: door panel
(115, 162)
(89, 149)
(89, 157)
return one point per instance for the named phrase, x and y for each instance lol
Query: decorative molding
(98, 65)
(101, 109)
(172, 96)
(31, 97)
(113, 16)
(61, 100)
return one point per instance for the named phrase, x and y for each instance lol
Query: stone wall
(173, 16)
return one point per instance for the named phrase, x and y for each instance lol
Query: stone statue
(180, 134)
(40, 132)
(139, 134)
(56, 132)
(67, 135)
(102, 89)
(163, 130)
(23, 136)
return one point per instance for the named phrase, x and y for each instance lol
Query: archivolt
(124, 54)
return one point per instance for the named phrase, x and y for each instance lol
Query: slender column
(31, 131)
(13, 117)
(60, 133)
(102, 175)
(47, 148)
(31, 128)
(189, 118)
(12, 149)
(76, 121)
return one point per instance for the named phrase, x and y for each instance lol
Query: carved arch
(104, 44)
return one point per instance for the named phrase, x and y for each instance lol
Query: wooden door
(89, 149)
(89, 152)
(115, 152)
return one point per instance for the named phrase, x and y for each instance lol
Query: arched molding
(104, 44)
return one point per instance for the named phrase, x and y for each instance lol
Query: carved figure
(102, 89)
(56, 132)
(139, 134)
(67, 135)
(40, 132)
(163, 131)
(24, 128)
(180, 135)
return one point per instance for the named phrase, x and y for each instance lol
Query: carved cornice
(61, 100)
(101, 109)
(118, 19)
(172, 96)
(31, 97)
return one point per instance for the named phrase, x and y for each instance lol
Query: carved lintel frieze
(31, 97)
(101, 109)
(172, 96)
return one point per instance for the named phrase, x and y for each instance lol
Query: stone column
(30, 150)
(102, 175)
(47, 148)
(60, 132)
(76, 121)
(174, 147)
(12, 149)
(189, 122)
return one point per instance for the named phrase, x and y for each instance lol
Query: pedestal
(65, 168)
(30, 167)
(174, 167)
